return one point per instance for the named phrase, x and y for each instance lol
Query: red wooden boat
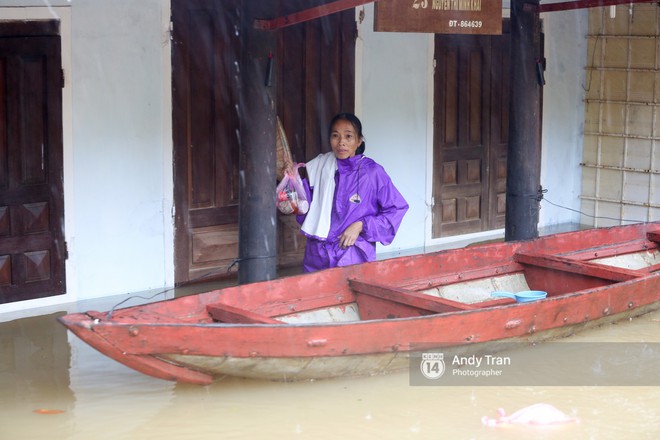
(370, 318)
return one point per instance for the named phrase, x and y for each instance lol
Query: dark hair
(357, 125)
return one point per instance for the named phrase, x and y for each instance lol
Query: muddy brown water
(52, 386)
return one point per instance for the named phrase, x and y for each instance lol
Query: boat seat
(234, 315)
(653, 268)
(408, 297)
(449, 278)
(587, 268)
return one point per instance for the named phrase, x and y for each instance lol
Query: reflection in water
(34, 378)
(43, 367)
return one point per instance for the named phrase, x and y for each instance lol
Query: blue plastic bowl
(523, 296)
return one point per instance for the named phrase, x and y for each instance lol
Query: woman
(353, 201)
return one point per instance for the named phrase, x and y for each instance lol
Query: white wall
(563, 114)
(120, 147)
(118, 154)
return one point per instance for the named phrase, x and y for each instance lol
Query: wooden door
(314, 80)
(316, 72)
(205, 131)
(470, 133)
(32, 247)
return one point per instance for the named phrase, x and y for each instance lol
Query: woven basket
(283, 150)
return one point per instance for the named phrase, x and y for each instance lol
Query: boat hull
(290, 369)
(182, 339)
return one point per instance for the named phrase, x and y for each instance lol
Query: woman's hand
(350, 234)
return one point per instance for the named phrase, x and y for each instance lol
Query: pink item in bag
(291, 198)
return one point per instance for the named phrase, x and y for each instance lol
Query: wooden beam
(578, 267)
(407, 297)
(523, 175)
(653, 268)
(308, 14)
(257, 246)
(341, 5)
(583, 4)
(461, 277)
(653, 236)
(613, 250)
(234, 315)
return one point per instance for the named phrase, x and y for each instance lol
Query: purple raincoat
(381, 208)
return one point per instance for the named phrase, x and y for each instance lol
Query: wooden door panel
(470, 133)
(215, 243)
(448, 135)
(474, 83)
(32, 248)
(213, 146)
(460, 145)
(316, 75)
(205, 128)
(210, 245)
(499, 129)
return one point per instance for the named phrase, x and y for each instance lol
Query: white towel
(321, 174)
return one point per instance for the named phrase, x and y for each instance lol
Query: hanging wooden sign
(439, 16)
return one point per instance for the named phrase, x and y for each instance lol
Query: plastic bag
(291, 197)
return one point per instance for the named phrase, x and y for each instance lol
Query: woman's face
(343, 139)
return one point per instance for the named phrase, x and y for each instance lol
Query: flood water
(52, 386)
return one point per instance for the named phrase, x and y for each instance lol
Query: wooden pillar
(524, 154)
(257, 249)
